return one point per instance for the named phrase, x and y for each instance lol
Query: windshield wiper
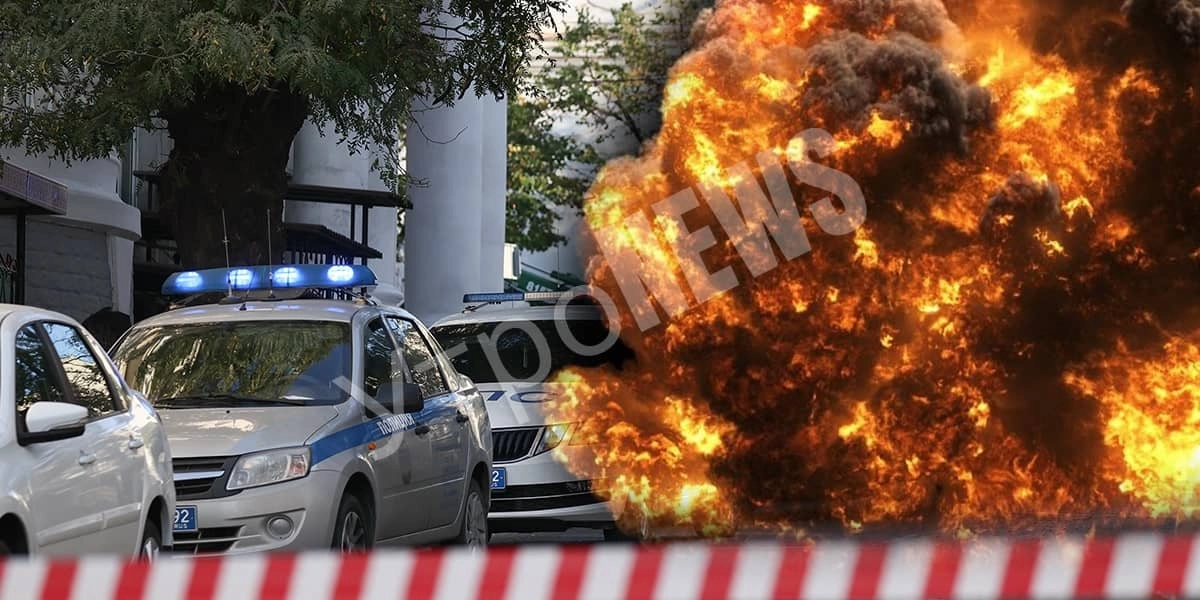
(224, 400)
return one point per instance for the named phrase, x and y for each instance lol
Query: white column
(443, 230)
(320, 160)
(120, 264)
(495, 188)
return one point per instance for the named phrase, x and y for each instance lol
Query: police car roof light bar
(266, 277)
(494, 297)
(498, 297)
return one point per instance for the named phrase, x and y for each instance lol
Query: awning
(22, 191)
(319, 239)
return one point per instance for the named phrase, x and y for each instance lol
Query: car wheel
(474, 532)
(4, 550)
(355, 526)
(151, 542)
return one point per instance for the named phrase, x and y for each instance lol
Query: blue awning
(24, 191)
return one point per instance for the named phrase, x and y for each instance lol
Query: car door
(66, 493)
(446, 434)
(114, 439)
(401, 459)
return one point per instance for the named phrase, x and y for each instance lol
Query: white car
(303, 423)
(86, 467)
(531, 490)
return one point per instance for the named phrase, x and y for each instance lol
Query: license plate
(185, 518)
(499, 478)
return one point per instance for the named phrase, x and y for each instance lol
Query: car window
(380, 357)
(425, 370)
(517, 352)
(36, 374)
(239, 363)
(87, 380)
(448, 371)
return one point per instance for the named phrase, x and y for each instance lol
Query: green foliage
(607, 78)
(78, 76)
(546, 172)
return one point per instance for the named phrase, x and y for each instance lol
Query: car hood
(519, 404)
(233, 431)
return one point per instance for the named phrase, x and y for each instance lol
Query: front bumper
(238, 523)
(543, 495)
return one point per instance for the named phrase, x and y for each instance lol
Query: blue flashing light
(263, 277)
(188, 281)
(286, 276)
(241, 279)
(340, 274)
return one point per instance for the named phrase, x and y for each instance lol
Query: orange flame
(895, 374)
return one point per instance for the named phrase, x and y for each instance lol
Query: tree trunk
(230, 154)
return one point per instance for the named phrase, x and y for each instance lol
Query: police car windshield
(516, 351)
(238, 364)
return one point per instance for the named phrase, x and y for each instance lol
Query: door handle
(86, 459)
(135, 442)
(421, 430)
(461, 418)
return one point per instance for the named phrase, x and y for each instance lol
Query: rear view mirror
(50, 421)
(401, 397)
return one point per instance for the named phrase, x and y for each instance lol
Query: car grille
(206, 541)
(513, 444)
(517, 498)
(200, 478)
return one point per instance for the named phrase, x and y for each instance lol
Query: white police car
(510, 345)
(84, 462)
(301, 422)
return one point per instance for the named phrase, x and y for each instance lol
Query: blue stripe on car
(376, 429)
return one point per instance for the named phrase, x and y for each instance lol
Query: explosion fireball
(1008, 336)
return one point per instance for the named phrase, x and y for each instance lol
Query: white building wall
(67, 267)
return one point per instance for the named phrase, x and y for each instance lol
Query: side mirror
(50, 421)
(401, 397)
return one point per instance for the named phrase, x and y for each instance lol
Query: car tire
(355, 526)
(151, 543)
(474, 531)
(4, 549)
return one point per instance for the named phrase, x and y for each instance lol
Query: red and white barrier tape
(1139, 565)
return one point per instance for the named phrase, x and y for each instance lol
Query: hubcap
(476, 523)
(354, 532)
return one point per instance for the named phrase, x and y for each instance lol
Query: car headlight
(552, 437)
(272, 466)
